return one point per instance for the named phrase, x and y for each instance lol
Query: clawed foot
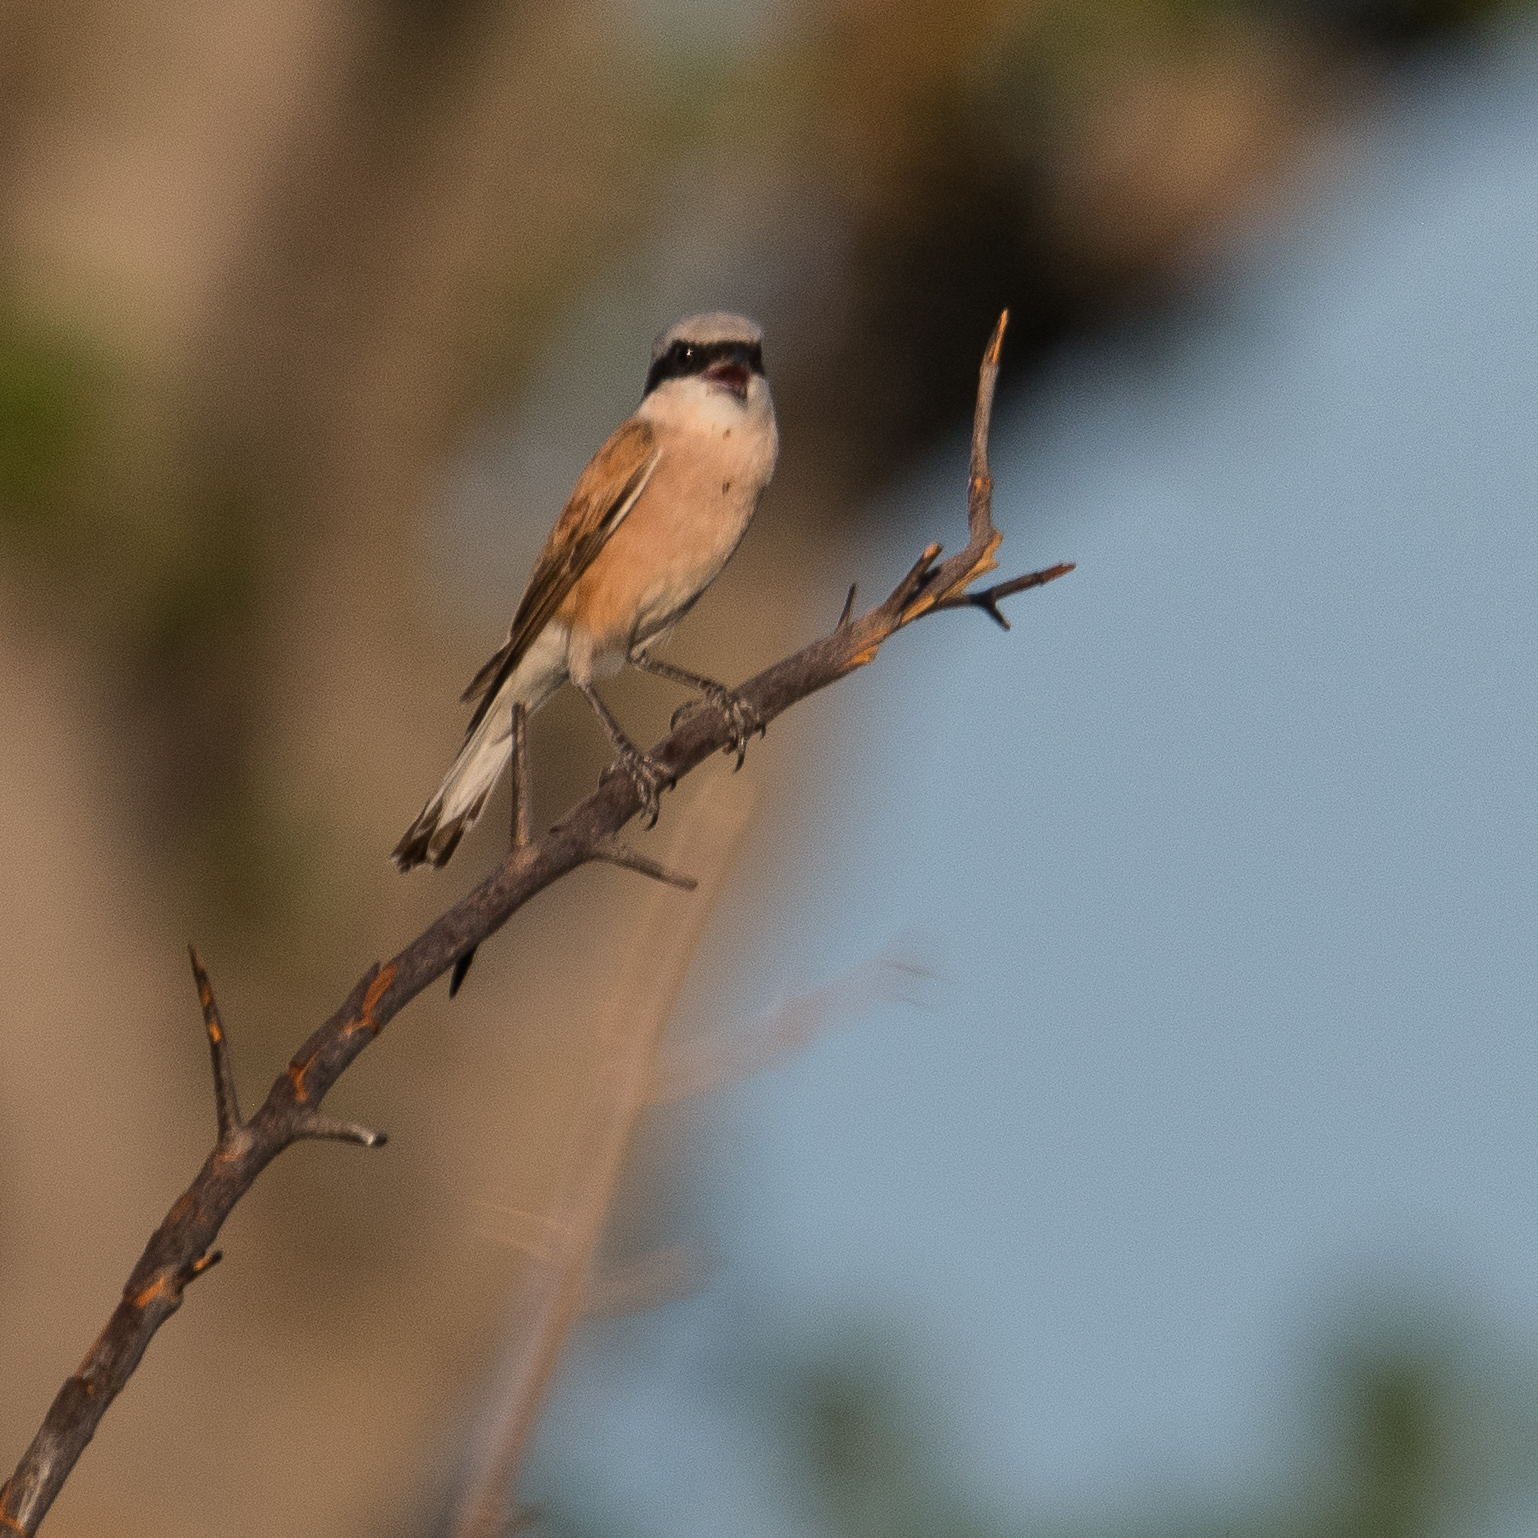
(646, 774)
(740, 716)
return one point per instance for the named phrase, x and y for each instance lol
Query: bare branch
(616, 853)
(538, 1235)
(317, 1126)
(919, 575)
(988, 599)
(205, 1262)
(980, 483)
(564, 1240)
(461, 967)
(226, 1102)
(177, 1249)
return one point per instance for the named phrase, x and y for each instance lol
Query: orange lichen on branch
(376, 991)
(163, 1288)
(995, 347)
(865, 655)
(296, 1073)
(205, 991)
(226, 1101)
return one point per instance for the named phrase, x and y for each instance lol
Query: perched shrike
(652, 520)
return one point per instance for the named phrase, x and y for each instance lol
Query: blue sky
(1230, 855)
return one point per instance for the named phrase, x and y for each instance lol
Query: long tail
(462, 796)
(459, 800)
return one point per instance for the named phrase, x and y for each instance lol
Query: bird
(650, 524)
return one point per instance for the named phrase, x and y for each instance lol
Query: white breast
(718, 454)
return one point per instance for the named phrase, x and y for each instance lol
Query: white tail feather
(461, 798)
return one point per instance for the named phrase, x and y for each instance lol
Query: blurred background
(1195, 1192)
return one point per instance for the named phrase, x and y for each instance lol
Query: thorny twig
(180, 1249)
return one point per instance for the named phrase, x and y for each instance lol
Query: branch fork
(234, 1134)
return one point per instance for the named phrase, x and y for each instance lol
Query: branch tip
(988, 599)
(226, 1102)
(317, 1126)
(205, 1262)
(980, 487)
(918, 575)
(848, 611)
(616, 853)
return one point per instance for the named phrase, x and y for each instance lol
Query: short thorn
(461, 967)
(318, 1126)
(226, 1102)
(848, 614)
(205, 1262)
(616, 853)
(996, 341)
(988, 599)
(918, 574)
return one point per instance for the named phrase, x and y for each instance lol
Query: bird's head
(723, 352)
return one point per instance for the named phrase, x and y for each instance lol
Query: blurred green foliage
(867, 1467)
(1409, 1433)
(165, 574)
(50, 392)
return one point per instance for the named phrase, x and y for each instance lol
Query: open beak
(730, 376)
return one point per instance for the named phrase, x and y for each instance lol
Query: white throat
(696, 405)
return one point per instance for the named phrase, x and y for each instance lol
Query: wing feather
(604, 494)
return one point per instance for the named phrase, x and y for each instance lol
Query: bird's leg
(523, 818)
(646, 774)
(740, 716)
(523, 781)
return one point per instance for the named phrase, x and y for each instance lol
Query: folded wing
(604, 494)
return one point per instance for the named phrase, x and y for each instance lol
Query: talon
(745, 721)
(648, 777)
(740, 716)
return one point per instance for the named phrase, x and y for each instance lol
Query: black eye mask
(683, 359)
